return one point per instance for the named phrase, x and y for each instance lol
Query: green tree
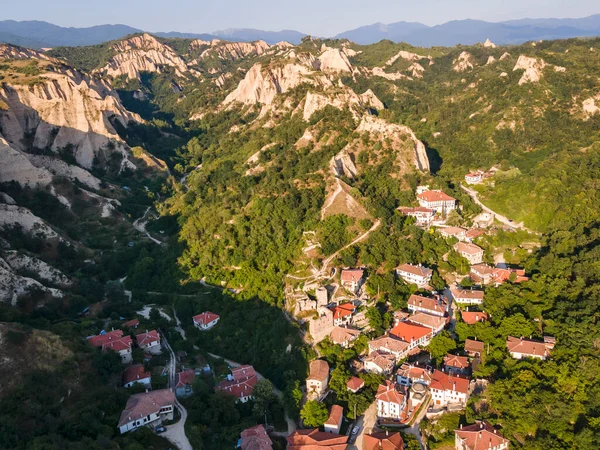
(440, 345)
(314, 414)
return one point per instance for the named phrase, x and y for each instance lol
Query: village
(333, 312)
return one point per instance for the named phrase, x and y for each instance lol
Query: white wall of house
(126, 356)
(523, 355)
(207, 326)
(154, 419)
(152, 347)
(335, 429)
(412, 278)
(389, 410)
(145, 381)
(444, 397)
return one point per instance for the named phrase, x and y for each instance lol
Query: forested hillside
(246, 152)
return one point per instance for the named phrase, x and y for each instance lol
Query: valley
(225, 219)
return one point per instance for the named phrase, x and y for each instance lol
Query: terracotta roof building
(390, 402)
(206, 320)
(114, 340)
(467, 296)
(351, 279)
(133, 323)
(472, 317)
(479, 436)
(471, 252)
(436, 323)
(423, 216)
(458, 365)
(149, 341)
(437, 200)
(355, 384)
(183, 383)
(456, 232)
(342, 314)
(316, 440)
(240, 384)
(318, 377)
(334, 422)
(379, 362)
(383, 441)
(415, 274)
(408, 374)
(390, 344)
(429, 305)
(448, 389)
(526, 348)
(255, 438)
(344, 336)
(474, 348)
(136, 374)
(415, 335)
(147, 408)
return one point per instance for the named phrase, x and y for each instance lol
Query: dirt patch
(341, 201)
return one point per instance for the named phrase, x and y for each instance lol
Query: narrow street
(175, 433)
(140, 225)
(365, 423)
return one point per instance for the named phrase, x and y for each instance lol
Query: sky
(317, 17)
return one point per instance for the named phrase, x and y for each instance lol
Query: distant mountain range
(37, 34)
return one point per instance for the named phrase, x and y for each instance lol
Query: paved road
(505, 220)
(365, 423)
(290, 423)
(176, 433)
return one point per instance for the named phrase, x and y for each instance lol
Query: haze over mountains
(38, 34)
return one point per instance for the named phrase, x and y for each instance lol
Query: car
(160, 430)
(355, 430)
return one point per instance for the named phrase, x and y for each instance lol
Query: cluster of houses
(117, 341)
(434, 205)
(477, 176)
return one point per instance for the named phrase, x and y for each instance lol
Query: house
(474, 177)
(149, 342)
(408, 374)
(520, 348)
(473, 234)
(255, 438)
(352, 279)
(390, 401)
(183, 383)
(448, 389)
(342, 314)
(391, 345)
(322, 325)
(474, 348)
(472, 317)
(355, 384)
(433, 306)
(483, 220)
(136, 374)
(437, 200)
(419, 275)
(436, 323)
(379, 362)
(240, 383)
(400, 316)
(415, 335)
(206, 320)
(479, 436)
(456, 365)
(383, 440)
(423, 216)
(114, 340)
(134, 323)
(471, 252)
(147, 409)
(467, 296)
(344, 336)
(482, 273)
(453, 232)
(316, 440)
(318, 378)
(500, 275)
(334, 422)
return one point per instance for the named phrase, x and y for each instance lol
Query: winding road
(140, 225)
(503, 219)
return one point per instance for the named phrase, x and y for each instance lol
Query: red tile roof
(385, 361)
(431, 304)
(413, 372)
(335, 416)
(131, 323)
(143, 404)
(340, 335)
(481, 436)
(527, 347)
(445, 382)
(472, 317)
(452, 231)
(473, 233)
(352, 275)
(125, 343)
(101, 339)
(502, 275)
(243, 372)
(185, 378)
(341, 311)
(205, 318)
(468, 294)
(427, 320)
(465, 247)
(240, 387)
(388, 344)
(147, 338)
(355, 383)
(135, 373)
(435, 196)
(409, 332)
(316, 440)
(419, 270)
(383, 441)
(256, 438)
(319, 370)
(419, 209)
(387, 393)
(458, 362)
(472, 346)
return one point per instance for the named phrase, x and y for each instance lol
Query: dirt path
(320, 273)
(503, 219)
(290, 423)
(140, 225)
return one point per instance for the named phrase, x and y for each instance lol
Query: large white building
(448, 390)
(391, 403)
(437, 200)
(147, 409)
(419, 275)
